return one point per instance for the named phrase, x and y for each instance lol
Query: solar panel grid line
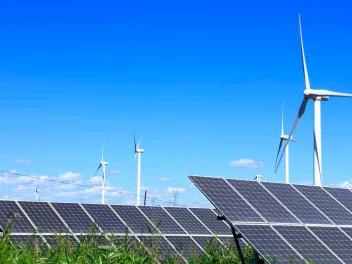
(175, 220)
(156, 228)
(63, 221)
(211, 232)
(337, 201)
(127, 227)
(272, 210)
(251, 206)
(223, 222)
(247, 211)
(199, 245)
(91, 218)
(26, 215)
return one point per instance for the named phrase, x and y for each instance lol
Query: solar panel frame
(344, 196)
(326, 203)
(188, 221)
(223, 196)
(264, 202)
(44, 217)
(307, 244)
(203, 241)
(298, 204)
(21, 224)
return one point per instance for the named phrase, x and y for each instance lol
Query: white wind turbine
(317, 96)
(138, 152)
(37, 193)
(283, 138)
(102, 164)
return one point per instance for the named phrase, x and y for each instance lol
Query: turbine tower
(317, 96)
(138, 153)
(37, 193)
(283, 138)
(102, 164)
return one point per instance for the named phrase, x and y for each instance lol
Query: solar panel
(296, 203)
(229, 242)
(185, 246)
(122, 240)
(269, 244)
(106, 218)
(44, 217)
(307, 244)
(326, 204)
(209, 218)
(30, 239)
(158, 245)
(60, 240)
(10, 213)
(96, 239)
(336, 240)
(263, 202)
(221, 195)
(206, 241)
(344, 196)
(187, 220)
(162, 220)
(348, 231)
(134, 219)
(75, 217)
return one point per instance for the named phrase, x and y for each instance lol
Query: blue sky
(202, 82)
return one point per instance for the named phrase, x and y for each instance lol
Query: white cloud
(165, 179)
(144, 188)
(246, 163)
(70, 176)
(97, 180)
(178, 190)
(20, 188)
(113, 172)
(21, 161)
(345, 184)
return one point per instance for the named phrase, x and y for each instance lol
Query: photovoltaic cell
(27, 239)
(229, 242)
(206, 241)
(134, 219)
(336, 240)
(60, 240)
(269, 244)
(263, 202)
(185, 246)
(209, 218)
(344, 196)
(97, 239)
(106, 218)
(221, 195)
(122, 240)
(296, 203)
(44, 217)
(307, 244)
(326, 204)
(162, 220)
(159, 245)
(11, 213)
(187, 220)
(75, 217)
(348, 231)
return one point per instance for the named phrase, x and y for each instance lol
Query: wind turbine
(138, 152)
(283, 138)
(317, 96)
(37, 193)
(102, 164)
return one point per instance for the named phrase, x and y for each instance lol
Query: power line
(82, 185)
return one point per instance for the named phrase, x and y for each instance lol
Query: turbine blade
(139, 142)
(97, 170)
(278, 151)
(135, 145)
(330, 93)
(301, 110)
(305, 71)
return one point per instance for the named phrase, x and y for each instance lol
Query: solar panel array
(285, 223)
(177, 231)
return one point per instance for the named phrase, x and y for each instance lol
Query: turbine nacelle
(104, 163)
(285, 137)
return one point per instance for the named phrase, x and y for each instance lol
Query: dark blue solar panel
(44, 217)
(162, 220)
(326, 204)
(134, 219)
(344, 196)
(60, 240)
(158, 245)
(106, 218)
(209, 218)
(269, 244)
(348, 231)
(207, 241)
(263, 202)
(307, 244)
(296, 203)
(30, 239)
(336, 240)
(75, 217)
(187, 220)
(185, 246)
(11, 215)
(221, 195)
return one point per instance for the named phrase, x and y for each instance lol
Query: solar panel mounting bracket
(235, 236)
